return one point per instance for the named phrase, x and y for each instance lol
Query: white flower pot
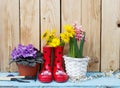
(76, 68)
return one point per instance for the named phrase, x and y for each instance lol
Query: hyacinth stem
(76, 49)
(71, 47)
(81, 47)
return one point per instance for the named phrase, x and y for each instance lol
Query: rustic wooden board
(29, 20)
(9, 32)
(102, 31)
(110, 53)
(50, 16)
(70, 13)
(91, 24)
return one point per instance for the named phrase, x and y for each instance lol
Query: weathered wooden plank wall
(23, 21)
(110, 49)
(29, 22)
(9, 31)
(91, 22)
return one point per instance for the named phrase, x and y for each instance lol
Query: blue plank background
(103, 82)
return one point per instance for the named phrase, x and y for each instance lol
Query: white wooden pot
(76, 68)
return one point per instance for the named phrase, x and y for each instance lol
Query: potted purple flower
(28, 58)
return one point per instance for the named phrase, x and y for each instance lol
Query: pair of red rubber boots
(57, 73)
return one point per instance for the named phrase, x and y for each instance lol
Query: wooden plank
(9, 32)
(29, 17)
(1, 36)
(91, 24)
(71, 12)
(50, 16)
(110, 54)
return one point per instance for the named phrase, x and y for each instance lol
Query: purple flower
(22, 51)
(16, 53)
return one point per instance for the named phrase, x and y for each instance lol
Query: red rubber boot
(58, 72)
(46, 73)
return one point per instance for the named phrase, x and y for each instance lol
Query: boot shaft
(58, 53)
(47, 54)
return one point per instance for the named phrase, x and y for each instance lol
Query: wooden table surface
(102, 82)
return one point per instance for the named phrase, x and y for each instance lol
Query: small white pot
(76, 68)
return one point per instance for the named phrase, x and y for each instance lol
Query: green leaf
(71, 47)
(76, 49)
(81, 46)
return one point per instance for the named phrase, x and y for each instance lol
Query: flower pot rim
(79, 59)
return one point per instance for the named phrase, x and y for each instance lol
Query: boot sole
(61, 79)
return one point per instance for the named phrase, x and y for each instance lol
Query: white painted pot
(76, 68)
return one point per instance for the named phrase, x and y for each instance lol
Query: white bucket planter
(76, 68)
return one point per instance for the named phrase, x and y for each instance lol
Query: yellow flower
(55, 42)
(65, 37)
(51, 35)
(45, 34)
(53, 31)
(70, 30)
